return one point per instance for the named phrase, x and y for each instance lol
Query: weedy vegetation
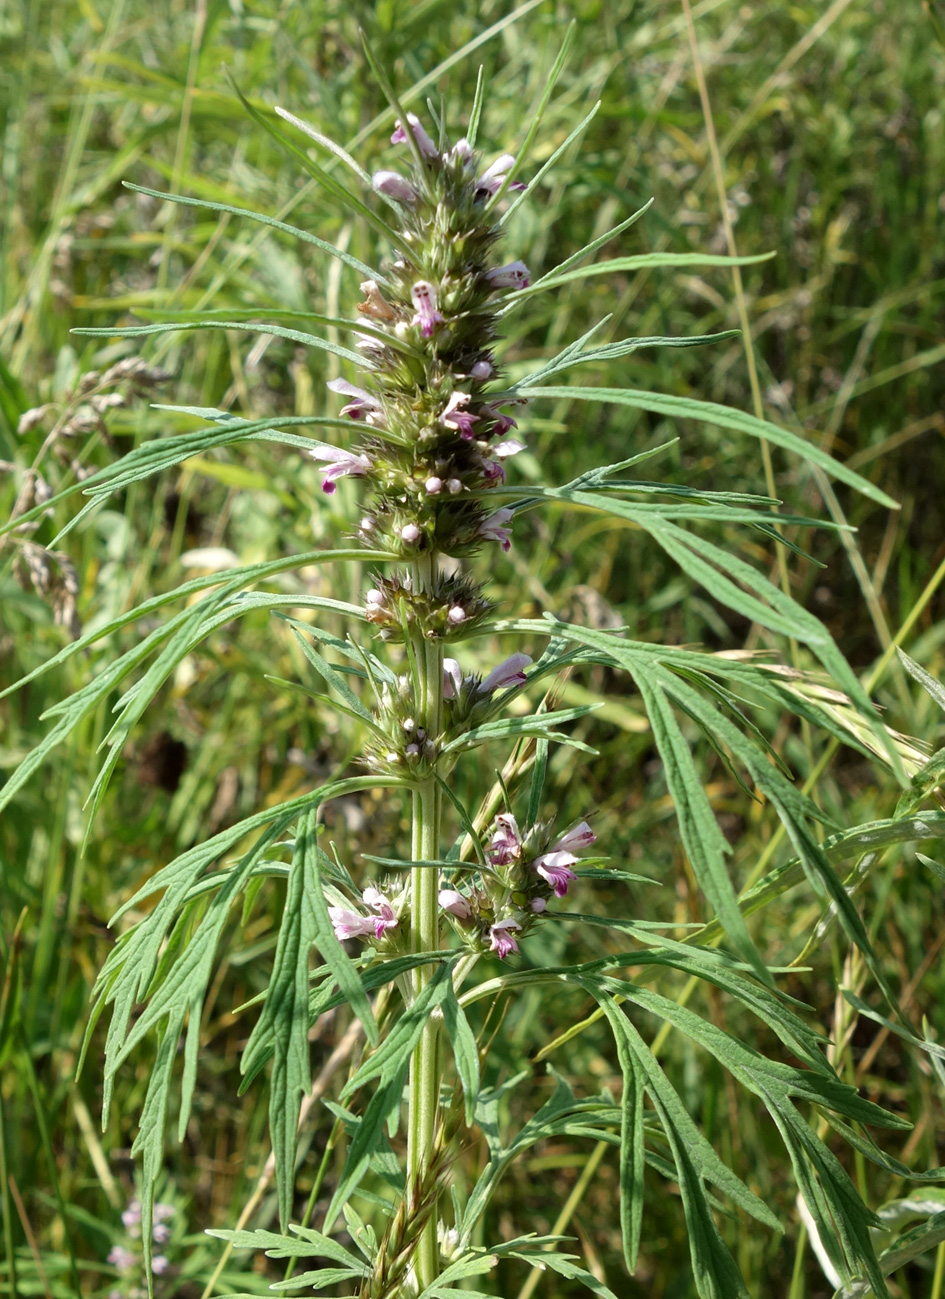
(472, 630)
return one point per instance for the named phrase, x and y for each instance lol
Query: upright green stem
(424, 1083)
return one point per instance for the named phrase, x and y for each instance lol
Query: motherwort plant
(417, 944)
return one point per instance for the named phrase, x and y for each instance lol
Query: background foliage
(831, 128)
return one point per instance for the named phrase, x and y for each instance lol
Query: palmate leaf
(465, 1051)
(71, 711)
(704, 842)
(794, 809)
(750, 593)
(285, 1022)
(369, 1134)
(131, 965)
(336, 958)
(843, 1220)
(172, 976)
(193, 629)
(714, 1269)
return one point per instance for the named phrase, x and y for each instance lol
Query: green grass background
(831, 127)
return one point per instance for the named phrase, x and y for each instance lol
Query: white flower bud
(456, 615)
(433, 485)
(410, 533)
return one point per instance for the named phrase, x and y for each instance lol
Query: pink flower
(462, 150)
(385, 918)
(555, 868)
(339, 464)
(122, 1258)
(582, 836)
(456, 417)
(457, 904)
(508, 673)
(362, 401)
(501, 940)
(492, 470)
(349, 924)
(506, 845)
(539, 905)
(514, 275)
(352, 924)
(393, 185)
(493, 528)
(423, 296)
(159, 1264)
(452, 678)
(491, 180)
(427, 146)
(555, 865)
(502, 422)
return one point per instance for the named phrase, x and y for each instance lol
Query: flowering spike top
(432, 449)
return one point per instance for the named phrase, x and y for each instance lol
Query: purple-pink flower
(515, 275)
(339, 464)
(555, 868)
(385, 917)
(555, 865)
(362, 404)
(393, 185)
(501, 940)
(492, 179)
(493, 528)
(348, 923)
(423, 297)
(452, 679)
(427, 146)
(506, 845)
(456, 416)
(456, 903)
(582, 836)
(510, 672)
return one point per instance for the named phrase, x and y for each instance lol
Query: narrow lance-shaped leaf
(724, 417)
(361, 267)
(346, 976)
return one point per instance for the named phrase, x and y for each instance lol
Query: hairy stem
(424, 1083)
